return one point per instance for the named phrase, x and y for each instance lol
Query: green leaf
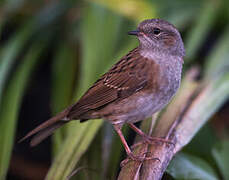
(180, 13)
(199, 31)
(220, 154)
(185, 166)
(9, 53)
(72, 149)
(202, 142)
(11, 104)
(98, 47)
(64, 70)
(217, 63)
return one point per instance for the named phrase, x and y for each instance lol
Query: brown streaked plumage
(120, 82)
(137, 86)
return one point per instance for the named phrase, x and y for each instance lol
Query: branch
(186, 114)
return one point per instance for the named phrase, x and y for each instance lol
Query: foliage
(85, 38)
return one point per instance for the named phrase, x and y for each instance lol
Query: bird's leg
(128, 151)
(147, 138)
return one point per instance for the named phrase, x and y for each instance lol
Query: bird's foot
(158, 139)
(139, 158)
(152, 140)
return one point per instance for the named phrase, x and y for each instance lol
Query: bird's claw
(140, 158)
(152, 140)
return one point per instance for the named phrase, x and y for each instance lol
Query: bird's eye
(156, 31)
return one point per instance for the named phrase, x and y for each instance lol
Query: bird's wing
(126, 77)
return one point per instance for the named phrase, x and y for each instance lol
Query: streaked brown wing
(122, 80)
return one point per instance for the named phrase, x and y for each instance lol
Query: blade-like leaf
(203, 24)
(9, 52)
(185, 166)
(11, 103)
(72, 149)
(220, 153)
(64, 75)
(98, 48)
(218, 60)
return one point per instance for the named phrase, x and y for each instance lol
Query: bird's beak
(135, 33)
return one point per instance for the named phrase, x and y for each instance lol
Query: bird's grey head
(159, 35)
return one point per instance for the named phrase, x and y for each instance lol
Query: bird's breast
(147, 101)
(170, 77)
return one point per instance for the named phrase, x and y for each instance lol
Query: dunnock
(136, 87)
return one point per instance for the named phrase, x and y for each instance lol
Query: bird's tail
(47, 128)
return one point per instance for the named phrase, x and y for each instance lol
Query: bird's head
(159, 35)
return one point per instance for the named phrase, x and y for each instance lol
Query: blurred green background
(51, 51)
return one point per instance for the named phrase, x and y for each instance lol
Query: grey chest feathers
(170, 81)
(143, 106)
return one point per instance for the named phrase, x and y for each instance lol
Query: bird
(140, 84)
